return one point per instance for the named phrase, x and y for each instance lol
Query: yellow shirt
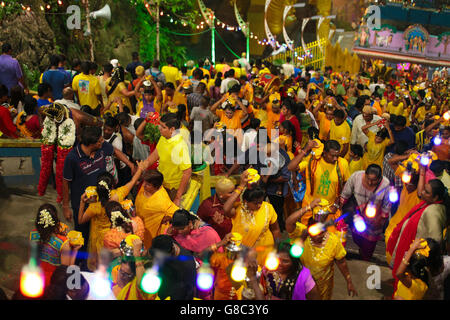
(326, 182)
(233, 123)
(375, 151)
(172, 74)
(340, 133)
(88, 89)
(174, 158)
(356, 165)
(415, 292)
(324, 126)
(262, 115)
(254, 229)
(421, 112)
(298, 231)
(395, 110)
(237, 72)
(118, 94)
(178, 98)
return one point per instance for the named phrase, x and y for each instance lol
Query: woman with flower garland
(51, 234)
(122, 225)
(95, 213)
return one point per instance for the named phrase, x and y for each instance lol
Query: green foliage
(184, 11)
(151, 133)
(12, 8)
(32, 77)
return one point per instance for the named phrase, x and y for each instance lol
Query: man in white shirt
(368, 116)
(224, 85)
(288, 68)
(68, 99)
(379, 83)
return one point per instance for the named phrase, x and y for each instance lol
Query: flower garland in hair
(114, 216)
(45, 218)
(105, 185)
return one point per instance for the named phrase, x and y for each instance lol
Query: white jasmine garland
(117, 214)
(45, 218)
(66, 133)
(49, 132)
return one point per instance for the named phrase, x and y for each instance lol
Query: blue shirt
(42, 102)
(82, 171)
(57, 80)
(407, 135)
(10, 71)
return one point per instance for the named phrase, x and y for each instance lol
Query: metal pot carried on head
(234, 247)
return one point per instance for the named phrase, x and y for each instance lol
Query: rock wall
(34, 36)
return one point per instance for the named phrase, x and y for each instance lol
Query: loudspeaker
(104, 13)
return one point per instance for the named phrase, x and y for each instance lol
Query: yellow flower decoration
(253, 175)
(317, 151)
(129, 239)
(425, 251)
(127, 204)
(75, 238)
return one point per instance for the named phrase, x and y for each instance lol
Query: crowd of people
(298, 160)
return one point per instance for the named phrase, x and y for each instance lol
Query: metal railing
(315, 58)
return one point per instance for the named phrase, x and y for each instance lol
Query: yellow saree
(151, 210)
(100, 225)
(255, 229)
(320, 261)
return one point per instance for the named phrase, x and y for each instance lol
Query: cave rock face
(31, 38)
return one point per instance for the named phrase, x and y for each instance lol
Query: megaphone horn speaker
(104, 13)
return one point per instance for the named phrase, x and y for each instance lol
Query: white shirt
(249, 138)
(372, 86)
(69, 103)
(288, 70)
(224, 85)
(358, 136)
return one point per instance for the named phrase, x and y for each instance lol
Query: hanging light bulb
(239, 271)
(359, 223)
(32, 281)
(272, 261)
(425, 159)
(406, 177)
(371, 210)
(205, 277)
(316, 229)
(437, 140)
(393, 194)
(297, 249)
(151, 282)
(447, 116)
